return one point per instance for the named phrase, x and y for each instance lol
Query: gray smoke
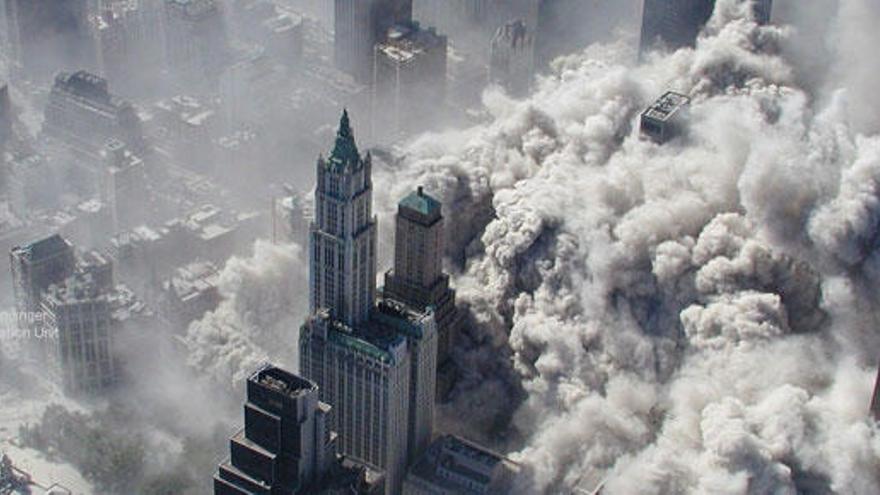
(263, 303)
(689, 318)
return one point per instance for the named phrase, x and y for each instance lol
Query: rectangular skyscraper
(673, 23)
(676, 23)
(84, 115)
(417, 278)
(512, 58)
(37, 266)
(195, 39)
(409, 79)
(43, 36)
(358, 26)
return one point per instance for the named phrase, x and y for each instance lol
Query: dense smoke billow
(695, 317)
(264, 300)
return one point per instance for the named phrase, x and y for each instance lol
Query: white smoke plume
(695, 317)
(264, 302)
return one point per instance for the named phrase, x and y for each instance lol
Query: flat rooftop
(282, 381)
(666, 106)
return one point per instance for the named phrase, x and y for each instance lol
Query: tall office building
(374, 363)
(126, 36)
(286, 443)
(84, 115)
(37, 266)
(342, 253)
(81, 311)
(417, 278)
(512, 59)
(196, 44)
(124, 186)
(358, 26)
(42, 36)
(409, 80)
(676, 23)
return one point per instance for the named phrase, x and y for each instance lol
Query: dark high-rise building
(676, 23)
(374, 363)
(417, 278)
(84, 115)
(673, 23)
(37, 266)
(358, 26)
(286, 444)
(45, 35)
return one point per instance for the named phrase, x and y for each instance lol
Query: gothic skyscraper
(342, 240)
(374, 362)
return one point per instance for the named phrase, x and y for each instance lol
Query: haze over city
(291, 247)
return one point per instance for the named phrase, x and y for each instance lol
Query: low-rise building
(455, 466)
(190, 293)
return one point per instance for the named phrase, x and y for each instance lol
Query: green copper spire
(345, 152)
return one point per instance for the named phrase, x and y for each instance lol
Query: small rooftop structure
(421, 203)
(664, 119)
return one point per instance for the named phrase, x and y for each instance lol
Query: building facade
(196, 45)
(417, 278)
(455, 466)
(124, 186)
(677, 23)
(37, 266)
(358, 26)
(80, 311)
(409, 80)
(286, 444)
(365, 376)
(43, 35)
(512, 59)
(342, 238)
(374, 362)
(84, 115)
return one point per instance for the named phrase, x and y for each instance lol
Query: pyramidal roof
(345, 153)
(420, 202)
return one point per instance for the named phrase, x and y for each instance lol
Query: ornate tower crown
(345, 153)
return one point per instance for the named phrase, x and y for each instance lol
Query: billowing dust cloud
(695, 317)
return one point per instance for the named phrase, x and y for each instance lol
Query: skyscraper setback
(373, 362)
(417, 278)
(358, 26)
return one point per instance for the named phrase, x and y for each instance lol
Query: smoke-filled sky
(696, 317)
